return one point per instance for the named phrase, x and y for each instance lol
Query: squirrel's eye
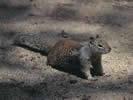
(100, 45)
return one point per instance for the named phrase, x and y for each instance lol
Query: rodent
(72, 56)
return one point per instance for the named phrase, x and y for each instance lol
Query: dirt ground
(24, 74)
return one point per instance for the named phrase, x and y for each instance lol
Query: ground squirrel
(65, 49)
(73, 56)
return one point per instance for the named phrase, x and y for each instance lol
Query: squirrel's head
(99, 45)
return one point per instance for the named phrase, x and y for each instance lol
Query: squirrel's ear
(62, 31)
(92, 39)
(64, 34)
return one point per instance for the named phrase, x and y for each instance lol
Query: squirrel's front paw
(88, 76)
(106, 74)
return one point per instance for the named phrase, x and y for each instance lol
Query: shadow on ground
(62, 87)
(11, 13)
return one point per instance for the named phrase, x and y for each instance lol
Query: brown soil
(24, 74)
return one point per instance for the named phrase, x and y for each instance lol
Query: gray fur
(85, 61)
(41, 42)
